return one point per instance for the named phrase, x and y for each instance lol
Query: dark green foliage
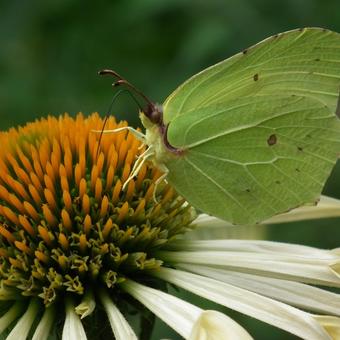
(50, 52)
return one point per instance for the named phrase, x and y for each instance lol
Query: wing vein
(223, 190)
(241, 128)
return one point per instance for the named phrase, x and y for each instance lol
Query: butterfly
(254, 135)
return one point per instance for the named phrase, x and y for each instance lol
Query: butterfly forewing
(305, 62)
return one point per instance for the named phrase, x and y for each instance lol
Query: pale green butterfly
(254, 135)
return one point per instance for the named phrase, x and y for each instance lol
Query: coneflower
(76, 245)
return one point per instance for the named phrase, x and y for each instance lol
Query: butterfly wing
(304, 61)
(258, 130)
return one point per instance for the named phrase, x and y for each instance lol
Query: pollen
(67, 221)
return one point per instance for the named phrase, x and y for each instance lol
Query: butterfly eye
(155, 114)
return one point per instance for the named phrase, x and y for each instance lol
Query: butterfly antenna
(122, 81)
(133, 98)
(109, 111)
(133, 88)
(105, 120)
(111, 73)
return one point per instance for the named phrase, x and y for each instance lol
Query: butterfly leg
(139, 135)
(138, 165)
(158, 181)
(140, 160)
(141, 146)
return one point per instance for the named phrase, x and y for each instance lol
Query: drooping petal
(204, 220)
(331, 325)
(289, 266)
(43, 330)
(213, 325)
(23, 326)
(326, 207)
(73, 328)
(253, 246)
(178, 314)
(211, 228)
(270, 311)
(120, 327)
(335, 268)
(13, 313)
(294, 293)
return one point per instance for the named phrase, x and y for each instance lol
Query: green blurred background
(50, 52)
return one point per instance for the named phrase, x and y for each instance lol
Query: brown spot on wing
(256, 77)
(272, 140)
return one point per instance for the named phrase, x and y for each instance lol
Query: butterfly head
(154, 113)
(151, 115)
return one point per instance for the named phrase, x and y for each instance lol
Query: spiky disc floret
(66, 224)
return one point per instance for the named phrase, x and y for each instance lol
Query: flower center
(66, 223)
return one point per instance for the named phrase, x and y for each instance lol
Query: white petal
(335, 268)
(243, 232)
(13, 313)
(203, 220)
(293, 293)
(331, 325)
(120, 327)
(273, 312)
(42, 332)
(212, 325)
(326, 207)
(73, 328)
(296, 268)
(23, 326)
(256, 246)
(212, 228)
(178, 314)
